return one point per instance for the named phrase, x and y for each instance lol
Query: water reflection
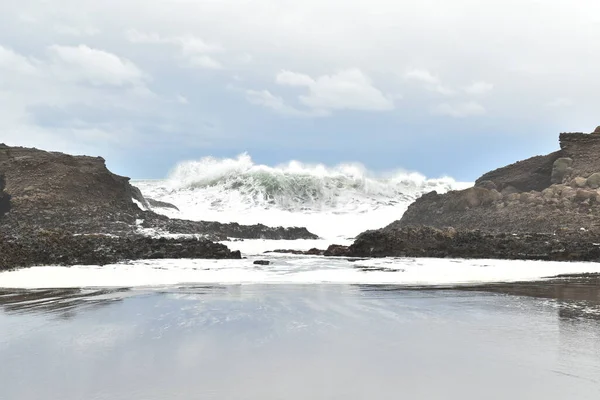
(294, 342)
(64, 303)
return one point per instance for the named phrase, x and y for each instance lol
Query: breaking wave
(299, 187)
(293, 194)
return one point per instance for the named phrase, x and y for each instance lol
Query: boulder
(578, 182)
(593, 181)
(560, 169)
(489, 185)
(583, 195)
(336, 250)
(597, 130)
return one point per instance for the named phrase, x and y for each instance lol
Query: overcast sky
(443, 87)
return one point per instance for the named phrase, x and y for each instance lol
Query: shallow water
(300, 342)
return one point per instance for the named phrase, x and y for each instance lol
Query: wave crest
(297, 186)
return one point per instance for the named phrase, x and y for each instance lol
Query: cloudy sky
(452, 87)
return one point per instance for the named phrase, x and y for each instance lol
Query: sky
(442, 87)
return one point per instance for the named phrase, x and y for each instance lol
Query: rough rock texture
(531, 174)
(584, 150)
(545, 207)
(542, 194)
(431, 242)
(160, 204)
(79, 194)
(222, 231)
(4, 198)
(62, 209)
(63, 248)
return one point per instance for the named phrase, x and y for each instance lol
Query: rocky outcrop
(160, 204)
(223, 231)
(399, 241)
(61, 209)
(545, 207)
(62, 248)
(79, 194)
(542, 194)
(531, 174)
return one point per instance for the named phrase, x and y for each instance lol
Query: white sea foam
(333, 202)
(285, 269)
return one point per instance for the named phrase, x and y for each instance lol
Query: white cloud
(94, 66)
(11, 61)
(294, 79)
(422, 76)
(349, 89)
(76, 30)
(478, 88)
(195, 51)
(560, 102)
(266, 99)
(460, 110)
(431, 82)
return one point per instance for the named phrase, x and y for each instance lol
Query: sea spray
(336, 201)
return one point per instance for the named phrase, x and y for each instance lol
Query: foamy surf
(331, 201)
(285, 269)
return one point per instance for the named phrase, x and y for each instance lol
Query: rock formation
(540, 194)
(545, 207)
(79, 194)
(61, 209)
(63, 248)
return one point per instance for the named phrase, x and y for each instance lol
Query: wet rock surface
(63, 248)
(397, 241)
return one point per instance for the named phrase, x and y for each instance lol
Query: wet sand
(525, 340)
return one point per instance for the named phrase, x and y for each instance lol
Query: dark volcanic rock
(79, 194)
(336, 250)
(431, 242)
(531, 174)
(222, 231)
(542, 194)
(4, 198)
(311, 252)
(545, 207)
(63, 248)
(161, 204)
(261, 262)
